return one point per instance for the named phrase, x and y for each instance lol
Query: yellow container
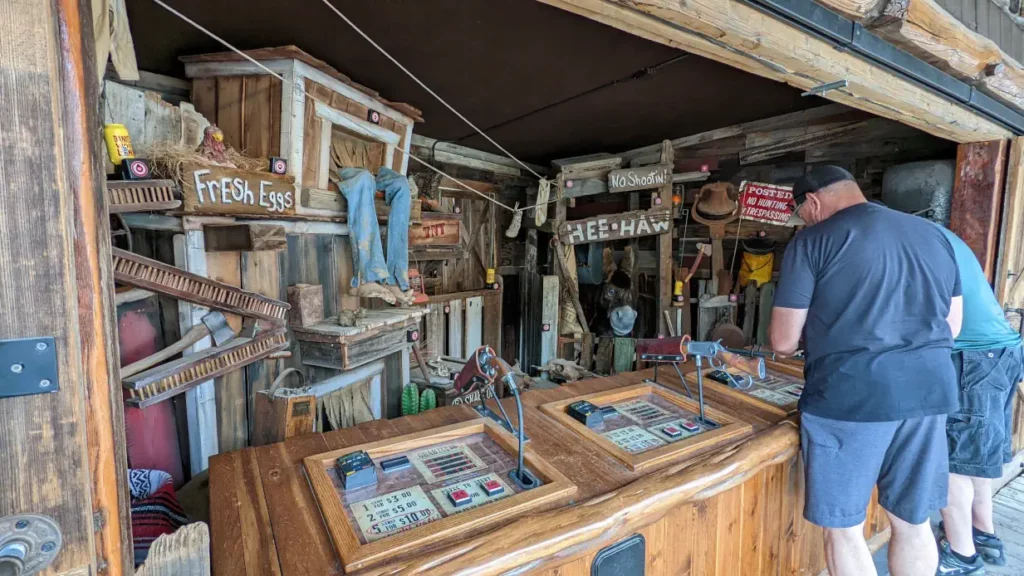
(756, 267)
(119, 143)
(490, 276)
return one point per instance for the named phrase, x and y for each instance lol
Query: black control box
(585, 413)
(356, 470)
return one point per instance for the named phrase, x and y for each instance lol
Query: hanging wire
(736, 245)
(197, 26)
(427, 88)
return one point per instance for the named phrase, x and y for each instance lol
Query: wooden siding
(246, 108)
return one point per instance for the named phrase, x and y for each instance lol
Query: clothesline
(427, 88)
(496, 202)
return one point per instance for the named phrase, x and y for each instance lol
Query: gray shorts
(843, 461)
(980, 434)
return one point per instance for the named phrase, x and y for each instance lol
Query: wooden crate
(262, 116)
(380, 333)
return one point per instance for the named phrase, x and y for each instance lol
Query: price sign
(641, 412)
(444, 462)
(773, 397)
(475, 488)
(394, 512)
(634, 439)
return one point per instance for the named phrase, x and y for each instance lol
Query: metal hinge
(99, 520)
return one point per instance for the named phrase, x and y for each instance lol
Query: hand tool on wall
(214, 325)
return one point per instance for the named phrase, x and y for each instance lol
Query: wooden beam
(978, 198)
(723, 30)
(665, 258)
(924, 29)
(64, 453)
(71, 213)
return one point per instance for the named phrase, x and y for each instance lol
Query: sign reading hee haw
(617, 226)
(631, 179)
(208, 189)
(769, 203)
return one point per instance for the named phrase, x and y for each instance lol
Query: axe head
(220, 331)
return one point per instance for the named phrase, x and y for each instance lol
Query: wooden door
(62, 452)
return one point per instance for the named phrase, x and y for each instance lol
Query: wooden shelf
(728, 429)
(357, 552)
(379, 333)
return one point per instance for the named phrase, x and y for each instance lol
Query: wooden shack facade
(727, 508)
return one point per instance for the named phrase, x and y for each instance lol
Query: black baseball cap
(815, 179)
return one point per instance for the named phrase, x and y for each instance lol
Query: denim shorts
(980, 434)
(843, 461)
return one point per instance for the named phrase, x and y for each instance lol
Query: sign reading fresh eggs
(617, 226)
(630, 179)
(768, 203)
(222, 190)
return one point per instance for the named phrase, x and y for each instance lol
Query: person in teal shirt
(989, 364)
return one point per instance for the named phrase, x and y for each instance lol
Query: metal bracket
(28, 366)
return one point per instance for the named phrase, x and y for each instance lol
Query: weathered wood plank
(456, 328)
(231, 397)
(474, 324)
(1011, 245)
(230, 96)
(549, 316)
(245, 238)
(978, 198)
(261, 274)
(75, 434)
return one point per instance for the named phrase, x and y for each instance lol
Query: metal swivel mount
(28, 544)
(675, 350)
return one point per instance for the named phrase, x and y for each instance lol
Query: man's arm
(786, 328)
(792, 298)
(956, 315)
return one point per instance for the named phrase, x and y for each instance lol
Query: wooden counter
(734, 510)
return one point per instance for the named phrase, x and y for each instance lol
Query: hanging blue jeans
(358, 186)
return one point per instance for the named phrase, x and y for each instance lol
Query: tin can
(490, 276)
(119, 143)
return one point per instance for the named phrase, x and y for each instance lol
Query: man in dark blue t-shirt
(875, 294)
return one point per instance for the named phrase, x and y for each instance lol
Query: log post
(665, 244)
(978, 198)
(64, 451)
